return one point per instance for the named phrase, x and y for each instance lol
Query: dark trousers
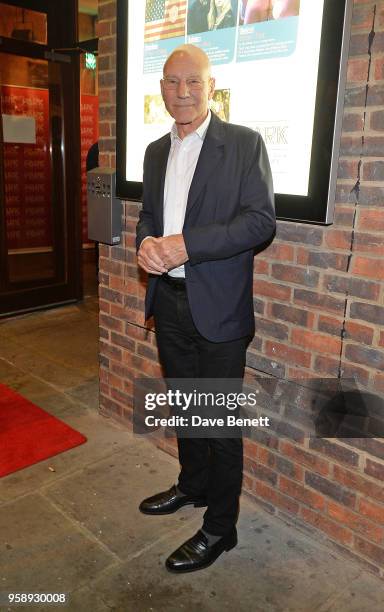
(209, 466)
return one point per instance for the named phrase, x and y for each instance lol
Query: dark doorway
(40, 162)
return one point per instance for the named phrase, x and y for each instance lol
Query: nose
(182, 89)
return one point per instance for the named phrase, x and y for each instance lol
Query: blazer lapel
(209, 158)
(159, 180)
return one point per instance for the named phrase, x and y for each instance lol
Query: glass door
(40, 216)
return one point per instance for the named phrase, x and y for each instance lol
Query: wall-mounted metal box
(104, 209)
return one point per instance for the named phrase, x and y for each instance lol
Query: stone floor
(77, 530)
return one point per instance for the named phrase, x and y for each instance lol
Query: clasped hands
(158, 255)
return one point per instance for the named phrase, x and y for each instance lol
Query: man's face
(187, 103)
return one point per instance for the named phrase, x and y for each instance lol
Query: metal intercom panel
(104, 209)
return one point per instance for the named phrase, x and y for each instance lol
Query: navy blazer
(230, 212)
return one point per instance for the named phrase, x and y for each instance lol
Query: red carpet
(28, 434)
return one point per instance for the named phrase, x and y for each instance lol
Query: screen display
(265, 57)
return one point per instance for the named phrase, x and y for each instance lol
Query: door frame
(62, 33)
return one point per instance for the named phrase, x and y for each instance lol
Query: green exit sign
(90, 61)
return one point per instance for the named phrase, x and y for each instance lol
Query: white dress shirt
(181, 166)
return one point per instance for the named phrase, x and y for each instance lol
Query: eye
(194, 82)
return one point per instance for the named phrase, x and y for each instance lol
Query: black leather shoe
(168, 502)
(196, 554)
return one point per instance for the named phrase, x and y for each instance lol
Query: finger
(152, 256)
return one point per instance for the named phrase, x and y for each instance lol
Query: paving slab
(271, 570)
(43, 550)
(111, 491)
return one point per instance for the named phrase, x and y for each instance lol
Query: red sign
(28, 197)
(27, 172)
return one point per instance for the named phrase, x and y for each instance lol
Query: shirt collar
(200, 131)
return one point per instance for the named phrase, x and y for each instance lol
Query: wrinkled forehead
(186, 64)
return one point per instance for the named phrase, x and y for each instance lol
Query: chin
(183, 118)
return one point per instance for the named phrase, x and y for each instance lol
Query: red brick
(286, 353)
(352, 122)
(372, 511)
(367, 312)
(122, 341)
(373, 171)
(347, 169)
(376, 470)
(273, 290)
(104, 306)
(296, 232)
(338, 239)
(344, 215)
(334, 450)
(369, 243)
(377, 118)
(318, 301)
(113, 267)
(275, 497)
(305, 458)
(260, 266)
(378, 383)
(107, 11)
(109, 406)
(357, 482)
(319, 343)
(332, 529)
(110, 351)
(277, 250)
(354, 521)
(357, 287)
(362, 17)
(368, 267)
(280, 464)
(359, 333)
(104, 128)
(260, 471)
(294, 274)
(250, 448)
(330, 325)
(296, 490)
(357, 70)
(326, 365)
(103, 28)
(265, 327)
(373, 552)
(369, 357)
(330, 489)
(291, 314)
(110, 322)
(379, 67)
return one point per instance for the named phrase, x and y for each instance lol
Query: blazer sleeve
(145, 226)
(255, 222)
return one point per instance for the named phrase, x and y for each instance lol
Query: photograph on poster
(269, 54)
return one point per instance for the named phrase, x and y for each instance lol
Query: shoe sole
(196, 569)
(195, 504)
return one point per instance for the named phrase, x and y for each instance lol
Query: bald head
(187, 87)
(194, 55)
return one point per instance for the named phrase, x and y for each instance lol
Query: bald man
(207, 205)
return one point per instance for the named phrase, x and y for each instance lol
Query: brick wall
(319, 297)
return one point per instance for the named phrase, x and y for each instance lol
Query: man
(207, 203)
(197, 20)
